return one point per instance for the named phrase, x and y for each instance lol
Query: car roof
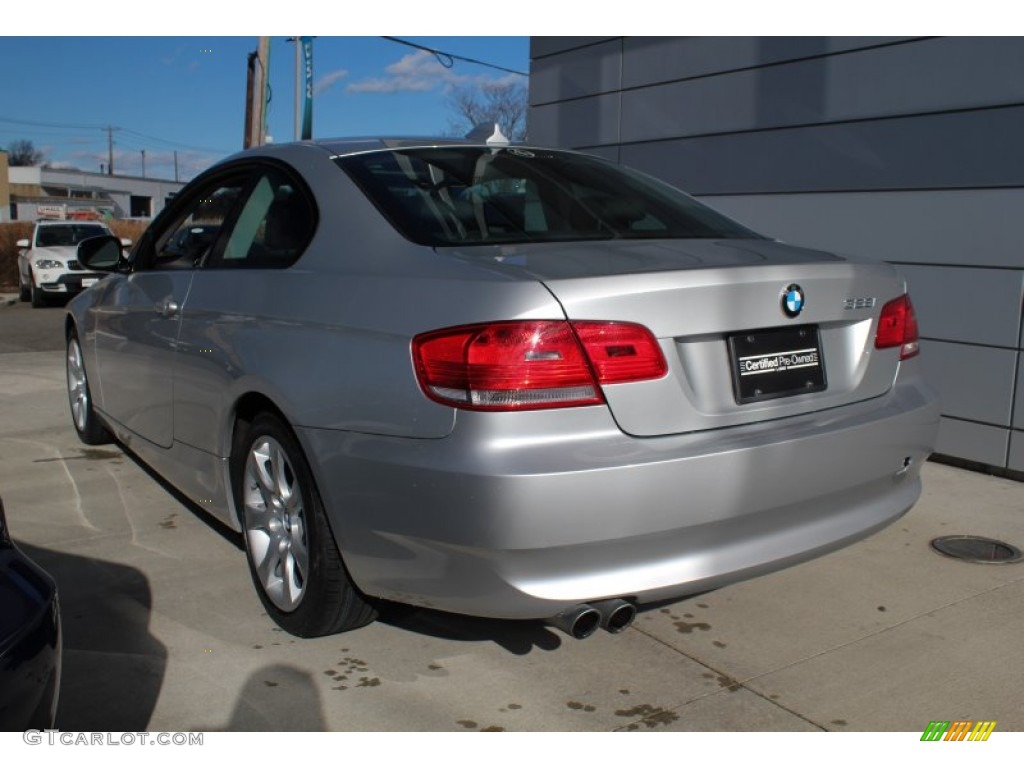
(338, 147)
(349, 146)
(342, 146)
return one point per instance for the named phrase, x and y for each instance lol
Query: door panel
(136, 338)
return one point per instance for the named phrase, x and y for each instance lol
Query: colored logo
(793, 300)
(958, 730)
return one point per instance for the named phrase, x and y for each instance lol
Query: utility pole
(110, 148)
(264, 91)
(256, 88)
(175, 165)
(143, 163)
(250, 83)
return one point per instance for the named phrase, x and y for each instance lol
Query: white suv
(47, 265)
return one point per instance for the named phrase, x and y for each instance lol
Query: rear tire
(293, 559)
(83, 416)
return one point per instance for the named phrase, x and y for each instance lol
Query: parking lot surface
(164, 631)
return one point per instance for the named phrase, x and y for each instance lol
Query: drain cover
(977, 549)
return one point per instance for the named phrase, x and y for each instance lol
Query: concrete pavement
(164, 630)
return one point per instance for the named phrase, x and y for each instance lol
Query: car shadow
(229, 535)
(113, 666)
(516, 637)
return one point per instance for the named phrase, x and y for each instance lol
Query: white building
(37, 192)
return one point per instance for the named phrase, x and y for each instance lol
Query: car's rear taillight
(897, 327)
(525, 365)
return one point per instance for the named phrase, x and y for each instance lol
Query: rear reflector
(897, 327)
(508, 366)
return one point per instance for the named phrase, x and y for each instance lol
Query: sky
(187, 94)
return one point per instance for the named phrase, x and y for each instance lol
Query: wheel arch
(247, 410)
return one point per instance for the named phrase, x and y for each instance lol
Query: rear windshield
(443, 196)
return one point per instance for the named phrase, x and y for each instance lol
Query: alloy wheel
(78, 387)
(275, 526)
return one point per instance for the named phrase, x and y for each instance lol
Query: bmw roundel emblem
(793, 300)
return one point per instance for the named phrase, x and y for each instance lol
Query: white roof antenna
(497, 139)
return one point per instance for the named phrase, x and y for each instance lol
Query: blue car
(30, 640)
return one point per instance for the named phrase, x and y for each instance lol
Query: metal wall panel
(961, 149)
(974, 383)
(1016, 460)
(980, 227)
(546, 46)
(590, 121)
(980, 306)
(1018, 408)
(578, 73)
(880, 82)
(649, 60)
(974, 442)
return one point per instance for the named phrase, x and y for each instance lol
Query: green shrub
(10, 233)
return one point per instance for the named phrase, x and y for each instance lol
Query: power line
(72, 126)
(447, 59)
(176, 143)
(40, 124)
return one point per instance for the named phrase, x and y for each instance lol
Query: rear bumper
(523, 515)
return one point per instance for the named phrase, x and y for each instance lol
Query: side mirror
(101, 254)
(23, 243)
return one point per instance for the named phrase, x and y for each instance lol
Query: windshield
(67, 234)
(480, 195)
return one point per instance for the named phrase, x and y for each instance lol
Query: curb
(8, 299)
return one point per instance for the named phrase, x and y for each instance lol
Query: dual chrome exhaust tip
(583, 620)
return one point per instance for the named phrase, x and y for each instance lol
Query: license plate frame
(772, 363)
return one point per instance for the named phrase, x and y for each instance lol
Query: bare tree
(24, 152)
(501, 102)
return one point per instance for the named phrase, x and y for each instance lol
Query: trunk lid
(695, 295)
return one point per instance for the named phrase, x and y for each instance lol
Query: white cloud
(327, 81)
(170, 61)
(419, 71)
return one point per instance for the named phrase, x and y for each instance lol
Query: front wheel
(83, 416)
(24, 292)
(36, 294)
(294, 562)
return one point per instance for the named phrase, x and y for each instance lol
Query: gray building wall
(902, 149)
(120, 189)
(87, 189)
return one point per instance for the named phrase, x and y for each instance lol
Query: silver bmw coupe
(496, 380)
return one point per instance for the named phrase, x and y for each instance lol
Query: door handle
(168, 307)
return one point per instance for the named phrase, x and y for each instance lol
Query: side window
(272, 228)
(194, 234)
